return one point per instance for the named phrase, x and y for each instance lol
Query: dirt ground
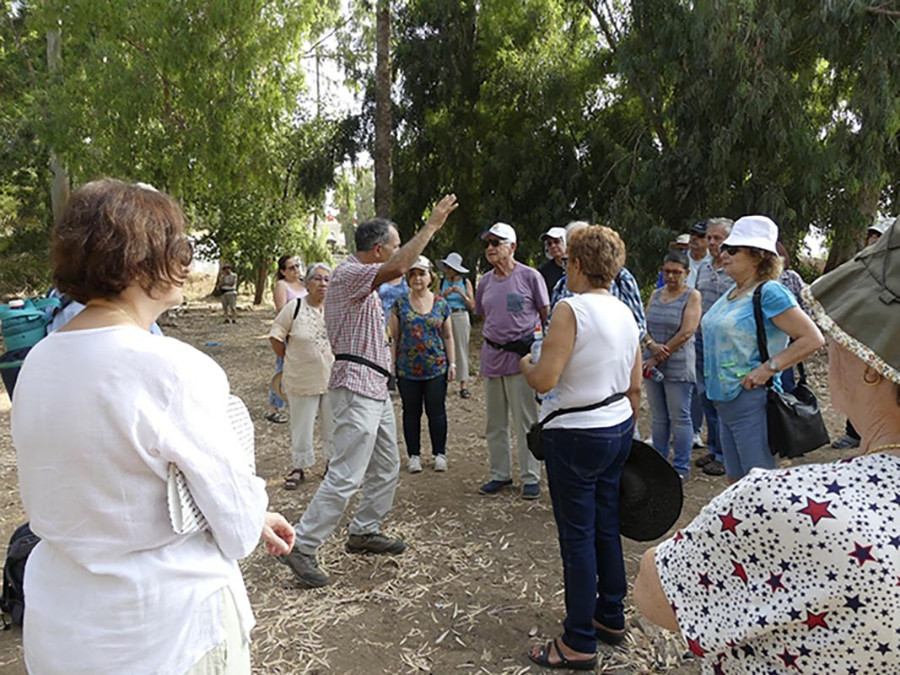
(481, 579)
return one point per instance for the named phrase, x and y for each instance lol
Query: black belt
(363, 361)
(454, 310)
(520, 347)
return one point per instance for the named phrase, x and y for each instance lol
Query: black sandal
(609, 636)
(464, 393)
(295, 477)
(543, 658)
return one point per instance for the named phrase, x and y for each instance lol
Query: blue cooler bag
(23, 324)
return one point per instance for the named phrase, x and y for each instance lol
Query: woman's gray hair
(576, 225)
(312, 267)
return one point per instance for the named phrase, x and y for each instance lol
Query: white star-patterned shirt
(793, 571)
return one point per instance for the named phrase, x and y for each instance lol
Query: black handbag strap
(581, 408)
(363, 361)
(762, 342)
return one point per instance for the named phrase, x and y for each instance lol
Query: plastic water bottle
(553, 394)
(536, 345)
(654, 374)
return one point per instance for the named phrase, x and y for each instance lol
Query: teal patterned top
(420, 347)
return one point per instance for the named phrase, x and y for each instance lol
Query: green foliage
(647, 115)
(199, 98)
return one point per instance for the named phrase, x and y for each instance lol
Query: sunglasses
(292, 267)
(493, 243)
(731, 250)
(319, 278)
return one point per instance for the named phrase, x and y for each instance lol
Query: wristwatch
(773, 366)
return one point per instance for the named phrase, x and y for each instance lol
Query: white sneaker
(440, 463)
(698, 442)
(415, 464)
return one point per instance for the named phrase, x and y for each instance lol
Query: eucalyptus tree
(789, 108)
(198, 98)
(490, 105)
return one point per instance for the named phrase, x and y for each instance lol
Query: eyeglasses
(671, 273)
(731, 250)
(319, 278)
(292, 267)
(493, 243)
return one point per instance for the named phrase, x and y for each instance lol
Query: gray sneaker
(306, 569)
(374, 542)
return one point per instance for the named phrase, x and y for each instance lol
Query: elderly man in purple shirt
(513, 300)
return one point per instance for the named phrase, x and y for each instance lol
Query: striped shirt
(355, 324)
(624, 287)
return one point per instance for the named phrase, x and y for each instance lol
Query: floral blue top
(420, 346)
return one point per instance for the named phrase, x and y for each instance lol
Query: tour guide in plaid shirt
(365, 435)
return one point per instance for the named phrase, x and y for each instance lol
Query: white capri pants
(462, 330)
(303, 420)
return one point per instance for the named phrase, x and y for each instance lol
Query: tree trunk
(382, 154)
(59, 186)
(848, 239)
(262, 277)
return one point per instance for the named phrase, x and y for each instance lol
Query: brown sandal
(295, 477)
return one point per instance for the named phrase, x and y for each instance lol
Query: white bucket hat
(754, 232)
(454, 262)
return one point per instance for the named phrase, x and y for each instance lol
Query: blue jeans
(743, 433)
(584, 467)
(670, 412)
(788, 381)
(433, 393)
(696, 410)
(709, 410)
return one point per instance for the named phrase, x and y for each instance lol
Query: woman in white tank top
(591, 352)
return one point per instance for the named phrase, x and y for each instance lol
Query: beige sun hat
(858, 304)
(276, 385)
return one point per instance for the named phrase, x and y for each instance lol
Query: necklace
(881, 448)
(106, 304)
(738, 292)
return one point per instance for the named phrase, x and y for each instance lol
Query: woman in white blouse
(102, 409)
(298, 336)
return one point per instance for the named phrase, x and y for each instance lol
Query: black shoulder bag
(536, 442)
(794, 420)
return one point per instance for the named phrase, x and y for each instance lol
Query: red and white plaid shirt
(355, 324)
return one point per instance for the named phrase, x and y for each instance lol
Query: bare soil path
(480, 581)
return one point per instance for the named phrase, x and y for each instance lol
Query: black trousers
(430, 394)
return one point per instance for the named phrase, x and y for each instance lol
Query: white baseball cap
(501, 231)
(754, 232)
(555, 233)
(880, 225)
